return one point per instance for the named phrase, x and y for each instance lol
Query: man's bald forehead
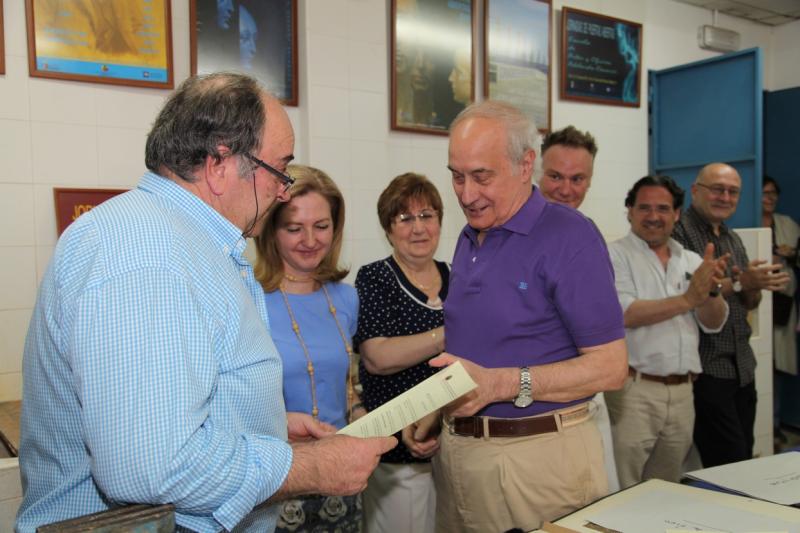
(716, 169)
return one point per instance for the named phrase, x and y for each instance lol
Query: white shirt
(671, 346)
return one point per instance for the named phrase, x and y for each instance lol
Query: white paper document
(660, 510)
(448, 384)
(775, 478)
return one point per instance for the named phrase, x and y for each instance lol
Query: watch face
(523, 401)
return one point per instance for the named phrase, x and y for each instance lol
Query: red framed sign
(72, 203)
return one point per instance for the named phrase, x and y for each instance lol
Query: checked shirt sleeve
(146, 370)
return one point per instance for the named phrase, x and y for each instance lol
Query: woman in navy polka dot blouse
(400, 327)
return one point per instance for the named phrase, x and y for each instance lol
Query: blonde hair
(269, 265)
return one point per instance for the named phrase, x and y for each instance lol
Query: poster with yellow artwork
(126, 42)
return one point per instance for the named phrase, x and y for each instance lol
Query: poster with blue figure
(628, 44)
(601, 58)
(256, 37)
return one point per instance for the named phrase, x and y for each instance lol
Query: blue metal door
(709, 111)
(781, 143)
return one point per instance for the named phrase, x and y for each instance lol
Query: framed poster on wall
(516, 58)
(257, 37)
(600, 58)
(72, 203)
(432, 71)
(121, 43)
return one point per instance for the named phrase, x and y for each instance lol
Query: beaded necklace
(309, 363)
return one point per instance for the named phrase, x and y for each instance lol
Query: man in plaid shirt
(725, 393)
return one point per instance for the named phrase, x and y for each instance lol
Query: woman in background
(312, 320)
(785, 235)
(400, 327)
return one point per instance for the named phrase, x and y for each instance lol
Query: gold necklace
(411, 278)
(297, 279)
(309, 363)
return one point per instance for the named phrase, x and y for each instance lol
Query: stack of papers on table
(657, 506)
(775, 478)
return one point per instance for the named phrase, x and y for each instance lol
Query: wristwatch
(524, 398)
(736, 285)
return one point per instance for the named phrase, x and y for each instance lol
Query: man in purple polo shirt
(533, 315)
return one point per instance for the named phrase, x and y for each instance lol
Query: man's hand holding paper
(492, 385)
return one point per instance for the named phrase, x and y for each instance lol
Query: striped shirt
(725, 355)
(149, 372)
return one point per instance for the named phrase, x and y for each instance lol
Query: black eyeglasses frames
(285, 179)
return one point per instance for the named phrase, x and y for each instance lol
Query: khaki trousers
(493, 484)
(652, 426)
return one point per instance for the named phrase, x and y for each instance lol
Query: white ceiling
(770, 12)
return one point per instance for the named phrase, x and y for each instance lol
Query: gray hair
(203, 113)
(521, 131)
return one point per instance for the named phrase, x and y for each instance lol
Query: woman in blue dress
(312, 318)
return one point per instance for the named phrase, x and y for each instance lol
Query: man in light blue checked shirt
(149, 371)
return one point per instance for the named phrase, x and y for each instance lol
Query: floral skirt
(321, 514)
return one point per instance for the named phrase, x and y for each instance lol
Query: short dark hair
(203, 113)
(768, 179)
(570, 136)
(656, 181)
(401, 191)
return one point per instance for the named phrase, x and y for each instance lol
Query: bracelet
(716, 290)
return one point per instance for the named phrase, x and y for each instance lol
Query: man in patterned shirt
(149, 371)
(725, 393)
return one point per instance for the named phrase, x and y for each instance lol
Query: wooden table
(9, 426)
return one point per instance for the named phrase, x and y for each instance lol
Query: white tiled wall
(59, 133)
(758, 243)
(785, 43)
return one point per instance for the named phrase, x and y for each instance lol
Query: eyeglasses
(719, 190)
(426, 216)
(285, 179)
(770, 194)
(658, 209)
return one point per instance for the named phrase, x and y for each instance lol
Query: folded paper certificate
(448, 384)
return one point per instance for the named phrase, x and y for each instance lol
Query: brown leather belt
(473, 426)
(672, 379)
